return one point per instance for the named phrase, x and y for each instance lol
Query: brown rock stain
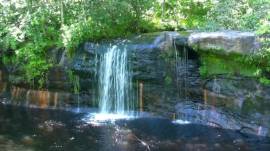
(40, 98)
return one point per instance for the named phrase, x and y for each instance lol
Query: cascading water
(115, 82)
(114, 87)
(181, 70)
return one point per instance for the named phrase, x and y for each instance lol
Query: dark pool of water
(29, 129)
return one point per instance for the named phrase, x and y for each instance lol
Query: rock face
(157, 64)
(39, 98)
(161, 64)
(164, 70)
(224, 42)
(244, 94)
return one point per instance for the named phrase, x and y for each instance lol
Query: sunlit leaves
(28, 28)
(237, 14)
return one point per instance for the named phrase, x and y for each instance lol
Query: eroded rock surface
(225, 42)
(219, 117)
(244, 96)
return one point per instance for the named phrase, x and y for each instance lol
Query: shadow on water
(28, 129)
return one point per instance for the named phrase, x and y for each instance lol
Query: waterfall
(114, 81)
(181, 70)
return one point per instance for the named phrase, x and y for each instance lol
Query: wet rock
(3, 87)
(126, 140)
(225, 42)
(9, 145)
(239, 142)
(217, 117)
(182, 39)
(3, 74)
(217, 145)
(39, 98)
(195, 139)
(58, 79)
(161, 75)
(57, 55)
(27, 140)
(244, 96)
(196, 147)
(2, 139)
(241, 145)
(50, 126)
(3, 81)
(169, 145)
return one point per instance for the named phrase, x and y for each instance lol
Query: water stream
(115, 82)
(181, 70)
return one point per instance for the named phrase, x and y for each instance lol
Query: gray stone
(206, 114)
(240, 93)
(225, 42)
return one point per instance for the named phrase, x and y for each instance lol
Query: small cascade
(114, 82)
(181, 70)
(181, 76)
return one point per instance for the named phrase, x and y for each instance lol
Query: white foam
(98, 119)
(178, 121)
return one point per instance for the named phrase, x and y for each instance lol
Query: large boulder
(205, 114)
(225, 42)
(241, 95)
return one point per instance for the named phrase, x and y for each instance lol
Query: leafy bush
(28, 29)
(183, 14)
(264, 55)
(237, 14)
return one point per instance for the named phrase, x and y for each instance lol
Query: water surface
(30, 129)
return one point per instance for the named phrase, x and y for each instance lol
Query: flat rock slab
(225, 42)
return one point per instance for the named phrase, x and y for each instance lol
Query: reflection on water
(26, 129)
(218, 117)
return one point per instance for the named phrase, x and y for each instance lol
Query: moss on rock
(231, 64)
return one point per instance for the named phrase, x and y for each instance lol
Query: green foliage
(114, 18)
(178, 14)
(194, 12)
(264, 56)
(28, 28)
(26, 38)
(237, 14)
(251, 15)
(265, 81)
